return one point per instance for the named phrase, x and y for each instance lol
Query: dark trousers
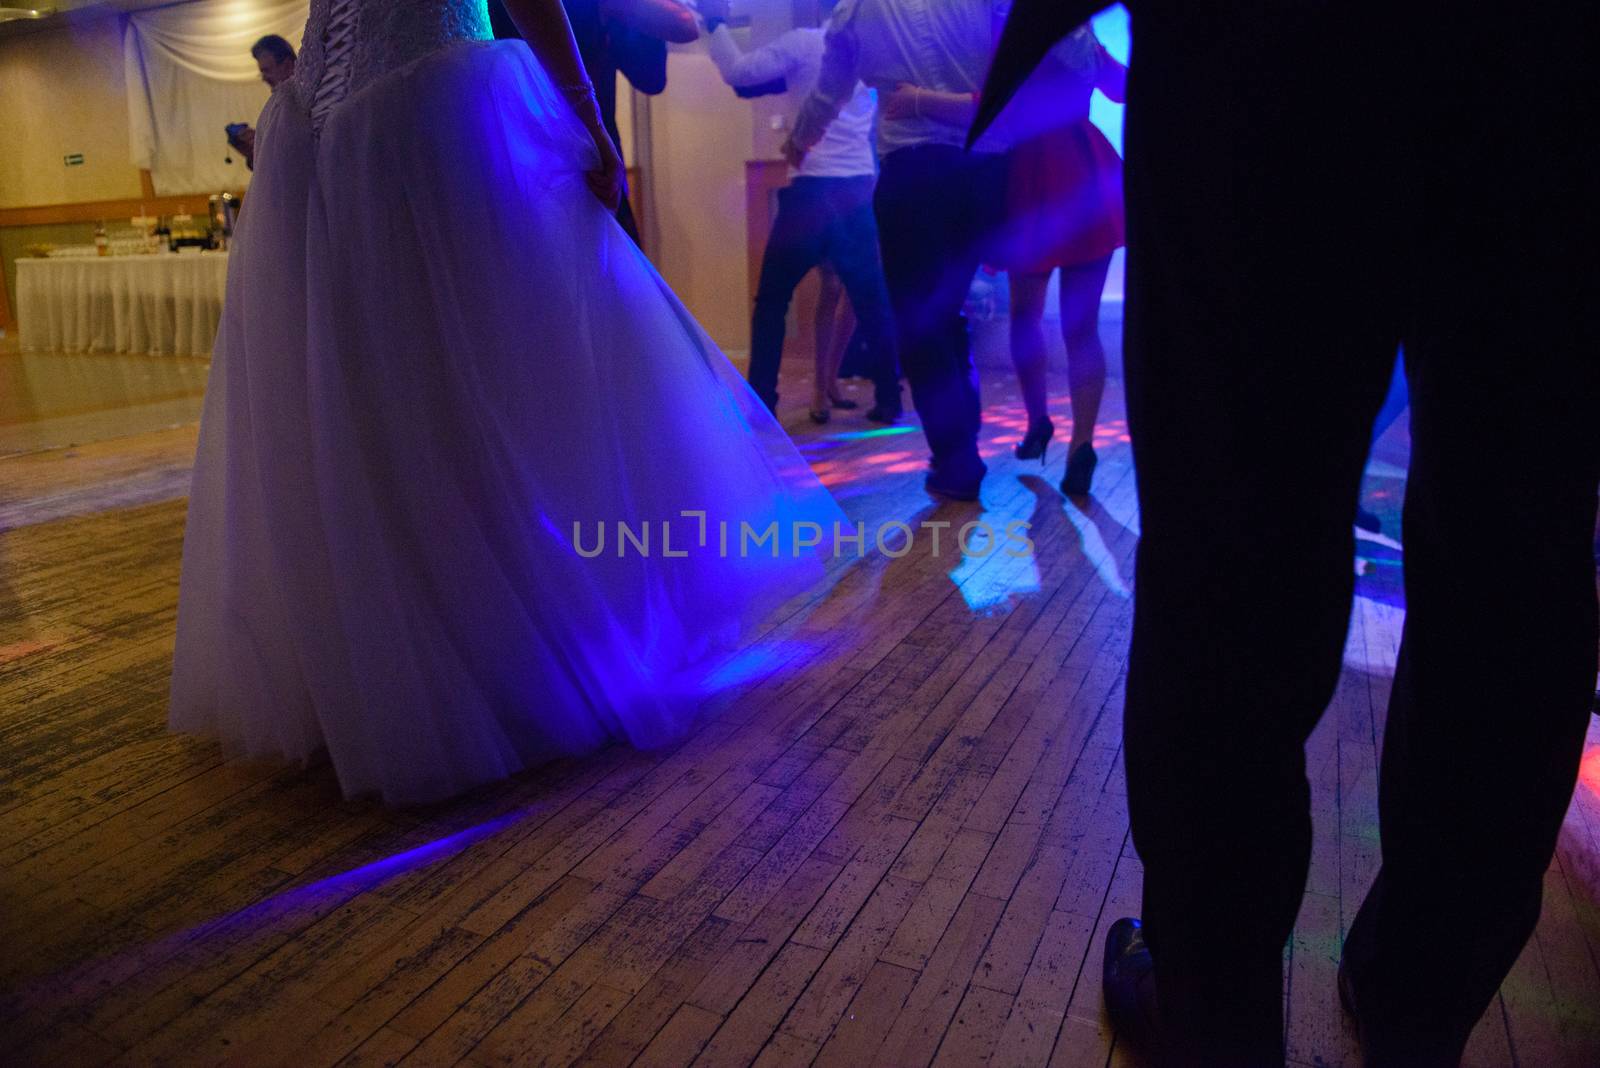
(823, 220)
(630, 225)
(933, 204)
(1280, 250)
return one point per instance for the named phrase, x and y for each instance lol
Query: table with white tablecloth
(163, 304)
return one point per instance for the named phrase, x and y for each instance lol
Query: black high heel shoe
(1036, 442)
(1080, 471)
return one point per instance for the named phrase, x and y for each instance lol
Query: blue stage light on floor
(881, 432)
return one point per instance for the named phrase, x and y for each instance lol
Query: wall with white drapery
(189, 73)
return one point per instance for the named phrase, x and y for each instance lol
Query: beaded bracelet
(580, 93)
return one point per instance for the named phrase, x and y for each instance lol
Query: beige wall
(700, 138)
(61, 91)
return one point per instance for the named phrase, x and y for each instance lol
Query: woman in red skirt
(1064, 210)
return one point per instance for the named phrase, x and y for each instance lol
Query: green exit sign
(73, 159)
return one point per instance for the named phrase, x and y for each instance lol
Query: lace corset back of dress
(348, 43)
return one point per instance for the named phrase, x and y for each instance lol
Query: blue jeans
(824, 220)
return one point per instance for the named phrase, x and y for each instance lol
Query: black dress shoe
(955, 489)
(956, 481)
(877, 414)
(1128, 983)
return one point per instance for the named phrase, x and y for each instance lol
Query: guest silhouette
(1063, 209)
(934, 202)
(275, 60)
(1307, 189)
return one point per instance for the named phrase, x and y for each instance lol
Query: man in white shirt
(934, 200)
(824, 215)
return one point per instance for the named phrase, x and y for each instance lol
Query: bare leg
(824, 328)
(1027, 342)
(1081, 287)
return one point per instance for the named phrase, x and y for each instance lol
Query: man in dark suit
(1309, 186)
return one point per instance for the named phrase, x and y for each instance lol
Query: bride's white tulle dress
(437, 354)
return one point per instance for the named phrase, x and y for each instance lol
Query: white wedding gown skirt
(438, 353)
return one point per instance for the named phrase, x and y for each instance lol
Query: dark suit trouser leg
(1497, 662)
(1243, 590)
(629, 224)
(925, 210)
(1272, 270)
(1260, 339)
(1491, 698)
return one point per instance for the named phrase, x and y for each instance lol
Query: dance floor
(50, 400)
(898, 837)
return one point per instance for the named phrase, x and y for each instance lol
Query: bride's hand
(609, 181)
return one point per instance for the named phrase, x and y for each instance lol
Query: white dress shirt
(945, 45)
(844, 149)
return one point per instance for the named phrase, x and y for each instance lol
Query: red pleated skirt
(1063, 201)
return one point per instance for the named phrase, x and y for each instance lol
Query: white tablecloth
(167, 304)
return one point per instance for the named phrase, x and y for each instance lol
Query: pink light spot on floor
(27, 647)
(1589, 770)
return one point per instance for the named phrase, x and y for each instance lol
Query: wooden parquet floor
(897, 838)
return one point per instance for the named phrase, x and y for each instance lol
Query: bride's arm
(545, 27)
